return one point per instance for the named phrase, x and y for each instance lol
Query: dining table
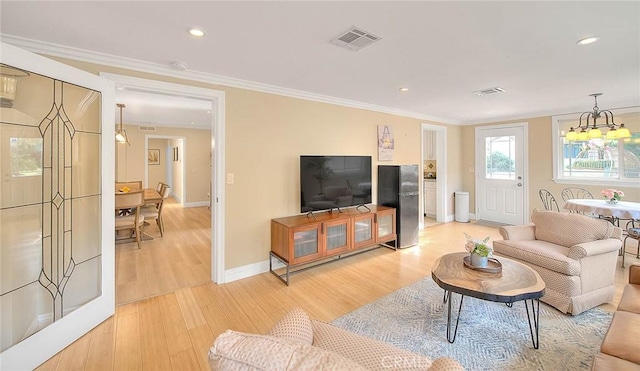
(625, 210)
(151, 196)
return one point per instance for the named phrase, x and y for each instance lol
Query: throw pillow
(568, 229)
(239, 351)
(296, 325)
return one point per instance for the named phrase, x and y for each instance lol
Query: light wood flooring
(182, 258)
(174, 331)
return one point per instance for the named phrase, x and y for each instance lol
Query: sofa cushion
(605, 362)
(239, 351)
(630, 300)
(622, 337)
(296, 325)
(540, 253)
(568, 229)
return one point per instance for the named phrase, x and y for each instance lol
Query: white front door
(501, 173)
(57, 221)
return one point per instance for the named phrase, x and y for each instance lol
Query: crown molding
(62, 51)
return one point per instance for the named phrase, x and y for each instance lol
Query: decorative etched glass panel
(500, 159)
(50, 201)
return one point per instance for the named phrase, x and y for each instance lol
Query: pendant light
(593, 130)
(121, 134)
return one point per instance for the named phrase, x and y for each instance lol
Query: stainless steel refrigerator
(398, 188)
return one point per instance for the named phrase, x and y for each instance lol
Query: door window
(500, 160)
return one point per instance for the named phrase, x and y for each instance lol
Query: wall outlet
(230, 178)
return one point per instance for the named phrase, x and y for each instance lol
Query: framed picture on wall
(153, 157)
(386, 143)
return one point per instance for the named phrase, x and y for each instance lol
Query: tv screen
(329, 182)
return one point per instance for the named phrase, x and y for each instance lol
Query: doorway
(434, 161)
(501, 173)
(217, 99)
(172, 173)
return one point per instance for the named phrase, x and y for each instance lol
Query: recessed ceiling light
(192, 122)
(196, 32)
(404, 89)
(588, 40)
(208, 112)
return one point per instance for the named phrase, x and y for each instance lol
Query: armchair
(574, 254)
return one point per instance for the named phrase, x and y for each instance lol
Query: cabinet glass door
(385, 225)
(305, 243)
(336, 234)
(363, 232)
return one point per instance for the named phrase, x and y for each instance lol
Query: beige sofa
(574, 254)
(620, 350)
(297, 342)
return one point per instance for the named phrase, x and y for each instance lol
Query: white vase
(479, 261)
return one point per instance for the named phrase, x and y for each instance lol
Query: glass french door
(56, 191)
(501, 174)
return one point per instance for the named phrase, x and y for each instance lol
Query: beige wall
(540, 164)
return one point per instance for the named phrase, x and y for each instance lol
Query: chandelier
(593, 130)
(121, 134)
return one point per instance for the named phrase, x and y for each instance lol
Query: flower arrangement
(125, 189)
(479, 247)
(612, 195)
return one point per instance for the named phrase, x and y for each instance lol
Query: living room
(265, 134)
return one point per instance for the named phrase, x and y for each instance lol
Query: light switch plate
(230, 178)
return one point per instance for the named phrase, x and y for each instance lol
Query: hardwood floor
(174, 331)
(182, 258)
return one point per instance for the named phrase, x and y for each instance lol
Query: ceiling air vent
(354, 39)
(489, 91)
(146, 128)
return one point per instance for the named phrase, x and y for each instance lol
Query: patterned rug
(491, 336)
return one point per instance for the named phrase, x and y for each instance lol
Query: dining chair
(569, 193)
(128, 216)
(134, 184)
(631, 230)
(156, 212)
(548, 201)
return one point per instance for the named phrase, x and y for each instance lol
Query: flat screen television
(329, 182)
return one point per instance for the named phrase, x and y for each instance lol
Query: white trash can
(461, 200)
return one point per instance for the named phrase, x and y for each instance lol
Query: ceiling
(441, 51)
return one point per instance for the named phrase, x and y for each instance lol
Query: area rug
(490, 336)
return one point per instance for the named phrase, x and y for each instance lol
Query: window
(598, 160)
(26, 156)
(500, 157)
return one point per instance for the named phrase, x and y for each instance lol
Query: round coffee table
(516, 282)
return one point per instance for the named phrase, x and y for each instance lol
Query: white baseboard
(249, 270)
(197, 204)
(178, 199)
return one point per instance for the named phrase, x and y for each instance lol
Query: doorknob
(519, 177)
(519, 184)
